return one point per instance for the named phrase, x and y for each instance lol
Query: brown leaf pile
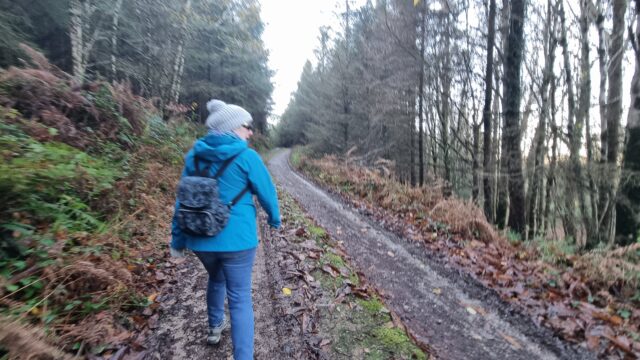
(586, 302)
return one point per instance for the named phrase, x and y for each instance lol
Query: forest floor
(456, 315)
(181, 329)
(334, 285)
(309, 303)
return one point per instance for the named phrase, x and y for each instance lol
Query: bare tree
(628, 208)
(83, 35)
(614, 114)
(511, 134)
(536, 187)
(114, 38)
(486, 113)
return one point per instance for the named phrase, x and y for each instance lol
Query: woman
(228, 256)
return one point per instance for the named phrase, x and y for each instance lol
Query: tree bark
(614, 113)
(628, 207)
(574, 135)
(582, 120)
(475, 190)
(444, 100)
(114, 38)
(421, 150)
(548, 221)
(537, 186)
(80, 12)
(178, 67)
(511, 134)
(502, 201)
(76, 35)
(487, 162)
(602, 105)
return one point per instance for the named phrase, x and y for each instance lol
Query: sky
(291, 35)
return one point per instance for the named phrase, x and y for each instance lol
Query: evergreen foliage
(210, 49)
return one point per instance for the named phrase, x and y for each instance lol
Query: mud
(182, 324)
(457, 316)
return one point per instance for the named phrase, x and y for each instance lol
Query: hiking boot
(213, 338)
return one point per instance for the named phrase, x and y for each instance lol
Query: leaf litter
(571, 300)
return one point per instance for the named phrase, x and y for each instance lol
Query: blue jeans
(231, 271)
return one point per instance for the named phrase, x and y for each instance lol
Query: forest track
(181, 329)
(457, 316)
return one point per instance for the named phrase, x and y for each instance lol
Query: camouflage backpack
(201, 212)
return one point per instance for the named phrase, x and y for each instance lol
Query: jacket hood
(218, 147)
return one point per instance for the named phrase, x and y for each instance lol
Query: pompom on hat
(225, 117)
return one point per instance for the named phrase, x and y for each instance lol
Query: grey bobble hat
(225, 117)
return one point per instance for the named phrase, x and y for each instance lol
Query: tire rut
(182, 325)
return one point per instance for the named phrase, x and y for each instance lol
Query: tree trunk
(549, 221)
(614, 113)
(511, 134)
(537, 187)
(475, 190)
(114, 38)
(421, 94)
(76, 29)
(582, 120)
(602, 105)
(628, 207)
(178, 67)
(80, 12)
(444, 101)
(486, 114)
(574, 133)
(502, 201)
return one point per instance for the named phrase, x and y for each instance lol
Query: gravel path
(450, 311)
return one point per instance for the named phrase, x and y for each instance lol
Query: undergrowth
(427, 207)
(86, 180)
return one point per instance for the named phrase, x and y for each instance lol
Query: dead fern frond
(23, 342)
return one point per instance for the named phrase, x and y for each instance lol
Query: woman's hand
(176, 253)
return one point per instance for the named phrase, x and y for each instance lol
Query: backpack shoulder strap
(239, 196)
(225, 165)
(204, 172)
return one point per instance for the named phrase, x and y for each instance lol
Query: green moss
(317, 232)
(333, 259)
(396, 341)
(373, 305)
(356, 332)
(355, 280)
(391, 337)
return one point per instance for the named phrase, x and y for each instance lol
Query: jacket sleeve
(177, 239)
(262, 186)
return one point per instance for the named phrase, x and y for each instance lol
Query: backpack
(201, 212)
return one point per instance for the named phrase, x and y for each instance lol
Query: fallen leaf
(153, 297)
(437, 291)
(621, 342)
(516, 345)
(616, 320)
(286, 291)
(391, 254)
(301, 232)
(329, 270)
(471, 310)
(324, 342)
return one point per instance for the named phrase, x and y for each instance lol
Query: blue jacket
(248, 168)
